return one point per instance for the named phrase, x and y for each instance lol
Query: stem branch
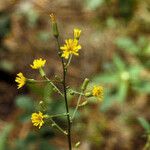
(58, 127)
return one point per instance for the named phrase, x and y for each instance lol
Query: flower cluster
(37, 64)
(70, 48)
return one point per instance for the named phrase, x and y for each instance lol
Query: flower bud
(84, 103)
(76, 33)
(77, 144)
(54, 25)
(85, 84)
(88, 94)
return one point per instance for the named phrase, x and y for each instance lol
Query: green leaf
(122, 92)
(120, 65)
(127, 44)
(106, 78)
(142, 87)
(25, 102)
(134, 72)
(108, 101)
(144, 123)
(4, 135)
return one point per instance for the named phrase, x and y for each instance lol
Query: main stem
(65, 97)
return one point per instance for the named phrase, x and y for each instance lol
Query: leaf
(4, 135)
(144, 123)
(25, 102)
(122, 92)
(108, 101)
(106, 78)
(127, 44)
(142, 87)
(120, 65)
(134, 72)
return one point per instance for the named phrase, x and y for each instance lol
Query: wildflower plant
(65, 52)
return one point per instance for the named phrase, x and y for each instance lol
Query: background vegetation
(115, 53)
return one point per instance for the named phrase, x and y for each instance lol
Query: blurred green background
(115, 53)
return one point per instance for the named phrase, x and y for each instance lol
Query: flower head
(38, 119)
(71, 47)
(21, 80)
(38, 63)
(76, 33)
(98, 92)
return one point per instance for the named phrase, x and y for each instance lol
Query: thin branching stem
(55, 87)
(58, 115)
(65, 96)
(78, 93)
(69, 61)
(147, 145)
(54, 124)
(77, 106)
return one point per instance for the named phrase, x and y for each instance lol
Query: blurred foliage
(4, 25)
(121, 78)
(124, 73)
(4, 137)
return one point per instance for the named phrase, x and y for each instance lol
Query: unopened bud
(84, 103)
(85, 84)
(88, 94)
(77, 144)
(54, 25)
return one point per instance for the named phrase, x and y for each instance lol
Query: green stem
(58, 115)
(65, 97)
(79, 93)
(54, 86)
(58, 127)
(68, 62)
(147, 145)
(77, 106)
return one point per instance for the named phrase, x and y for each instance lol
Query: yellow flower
(98, 92)
(38, 119)
(21, 80)
(76, 33)
(38, 63)
(71, 47)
